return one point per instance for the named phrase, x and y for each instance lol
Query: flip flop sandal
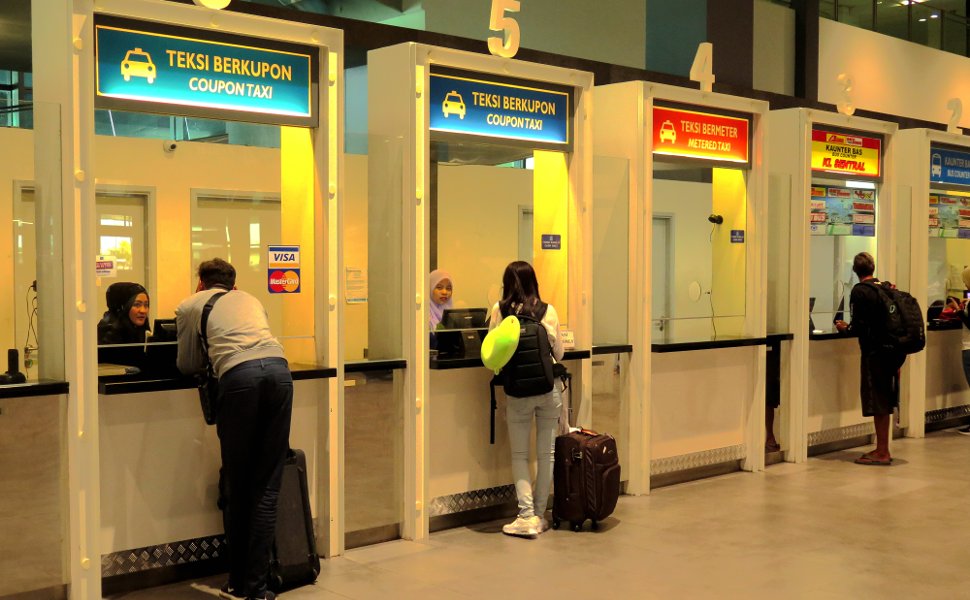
(865, 459)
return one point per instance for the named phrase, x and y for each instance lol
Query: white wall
(614, 32)
(891, 75)
(774, 48)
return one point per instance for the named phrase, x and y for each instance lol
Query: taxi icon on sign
(138, 63)
(668, 133)
(453, 105)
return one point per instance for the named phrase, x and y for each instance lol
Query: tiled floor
(825, 529)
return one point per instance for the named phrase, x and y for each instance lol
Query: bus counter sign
(284, 269)
(949, 166)
(472, 105)
(182, 72)
(696, 134)
(846, 154)
(737, 236)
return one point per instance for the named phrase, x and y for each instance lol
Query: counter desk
(160, 471)
(947, 393)
(466, 471)
(33, 486)
(834, 409)
(704, 391)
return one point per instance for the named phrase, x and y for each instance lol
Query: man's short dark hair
(217, 272)
(863, 265)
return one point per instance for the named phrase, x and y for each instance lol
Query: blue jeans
(254, 435)
(518, 413)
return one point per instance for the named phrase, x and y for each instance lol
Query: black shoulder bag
(207, 380)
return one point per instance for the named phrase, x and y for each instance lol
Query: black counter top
(369, 366)
(944, 325)
(709, 343)
(111, 385)
(830, 335)
(43, 387)
(613, 349)
(780, 337)
(440, 364)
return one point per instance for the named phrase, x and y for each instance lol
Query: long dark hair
(519, 287)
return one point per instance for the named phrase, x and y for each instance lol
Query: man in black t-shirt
(880, 366)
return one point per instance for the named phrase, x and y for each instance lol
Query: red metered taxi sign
(846, 154)
(695, 134)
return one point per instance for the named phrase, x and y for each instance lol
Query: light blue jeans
(519, 412)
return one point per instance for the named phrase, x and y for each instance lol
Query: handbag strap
(203, 323)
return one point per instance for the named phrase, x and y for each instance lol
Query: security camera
(169, 145)
(716, 219)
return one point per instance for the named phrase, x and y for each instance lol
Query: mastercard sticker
(284, 281)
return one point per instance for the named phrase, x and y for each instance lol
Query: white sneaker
(543, 525)
(964, 430)
(523, 527)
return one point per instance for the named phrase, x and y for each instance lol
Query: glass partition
(611, 250)
(374, 457)
(698, 282)
(171, 206)
(843, 223)
(949, 247)
(492, 205)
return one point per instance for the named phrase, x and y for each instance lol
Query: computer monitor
(164, 331)
(463, 318)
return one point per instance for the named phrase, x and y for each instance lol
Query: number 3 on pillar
(508, 46)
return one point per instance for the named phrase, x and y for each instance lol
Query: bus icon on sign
(138, 63)
(936, 166)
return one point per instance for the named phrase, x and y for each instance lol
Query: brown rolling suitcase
(586, 476)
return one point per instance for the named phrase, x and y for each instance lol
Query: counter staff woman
(126, 320)
(520, 296)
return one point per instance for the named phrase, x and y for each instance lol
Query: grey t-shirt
(238, 331)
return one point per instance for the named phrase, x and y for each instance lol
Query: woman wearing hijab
(126, 320)
(440, 284)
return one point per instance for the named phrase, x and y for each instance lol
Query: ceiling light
(923, 20)
(934, 16)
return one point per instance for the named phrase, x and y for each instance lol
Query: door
(660, 267)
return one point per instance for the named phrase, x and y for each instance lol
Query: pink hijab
(436, 309)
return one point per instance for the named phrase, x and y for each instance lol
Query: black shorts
(880, 382)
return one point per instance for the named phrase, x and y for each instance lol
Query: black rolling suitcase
(586, 476)
(295, 561)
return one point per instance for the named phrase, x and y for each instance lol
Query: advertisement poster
(949, 216)
(843, 211)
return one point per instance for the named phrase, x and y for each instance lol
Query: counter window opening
(494, 204)
(844, 202)
(949, 230)
(701, 167)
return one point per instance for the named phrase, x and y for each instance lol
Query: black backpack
(902, 329)
(529, 372)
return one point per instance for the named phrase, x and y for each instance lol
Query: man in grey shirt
(253, 419)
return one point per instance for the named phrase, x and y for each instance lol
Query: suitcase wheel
(594, 525)
(578, 526)
(555, 523)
